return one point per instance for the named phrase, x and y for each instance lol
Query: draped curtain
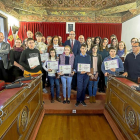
(59, 28)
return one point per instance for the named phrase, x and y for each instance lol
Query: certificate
(65, 69)
(44, 56)
(83, 67)
(111, 64)
(33, 61)
(59, 50)
(53, 65)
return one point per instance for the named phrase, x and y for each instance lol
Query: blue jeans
(66, 82)
(82, 81)
(106, 80)
(53, 80)
(93, 91)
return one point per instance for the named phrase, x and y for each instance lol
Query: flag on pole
(19, 34)
(10, 38)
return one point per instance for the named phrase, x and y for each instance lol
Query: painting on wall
(70, 26)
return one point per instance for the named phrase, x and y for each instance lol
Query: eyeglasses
(135, 46)
(72, 34)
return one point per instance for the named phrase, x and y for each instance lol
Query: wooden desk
(123, 105)
(20, 108)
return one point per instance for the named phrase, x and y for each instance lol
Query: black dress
(14, 71)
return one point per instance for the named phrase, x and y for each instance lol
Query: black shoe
(68, 101)
(83, 103)
(77, 103)
(52, 100)
(58, 99)
(64, 102)
(100, 90)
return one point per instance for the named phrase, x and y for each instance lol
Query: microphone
(16, 85)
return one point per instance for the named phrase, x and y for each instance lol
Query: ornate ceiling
(101, 11)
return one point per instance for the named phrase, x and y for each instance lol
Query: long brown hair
(101, 47)
(112, 42)
(52, 49)
(125, 50)
(59, 43)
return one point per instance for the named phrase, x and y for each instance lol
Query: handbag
(92, 72)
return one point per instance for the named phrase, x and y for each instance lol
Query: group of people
(14, 63)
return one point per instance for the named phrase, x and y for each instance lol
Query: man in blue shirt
(82, 77)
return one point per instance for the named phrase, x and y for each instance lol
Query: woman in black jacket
(96, 61)
(16, 70)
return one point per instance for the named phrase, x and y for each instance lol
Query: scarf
(120, 53)
(18, 49)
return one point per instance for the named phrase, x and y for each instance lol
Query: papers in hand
(44, 56)
(111, 64)
(53, 65)
(33, 61)
(83, 67)
(59, 50)
(65, 69)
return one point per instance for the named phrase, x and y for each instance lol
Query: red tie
(72, 44)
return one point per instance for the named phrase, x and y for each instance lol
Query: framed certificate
(44, 56)
(111, 64)
(59, 50)
(83, 67)
(33, 61)
(53, 65)
(65, 69)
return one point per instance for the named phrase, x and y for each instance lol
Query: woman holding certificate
(112, 64)
(66, 62)
(96, 61)
(55, 43)
(51, 66)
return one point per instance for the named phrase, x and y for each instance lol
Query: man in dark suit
(4, 51)
(75, 46)
(73, 43)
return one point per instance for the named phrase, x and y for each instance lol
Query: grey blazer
(4, 51)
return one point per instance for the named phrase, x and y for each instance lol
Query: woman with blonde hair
(121, 50)
(67, 58)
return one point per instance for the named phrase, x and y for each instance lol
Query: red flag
(19, 34)
(10, 38)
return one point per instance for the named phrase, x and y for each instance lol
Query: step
(60, 108)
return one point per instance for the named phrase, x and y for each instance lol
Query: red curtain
(86, 29)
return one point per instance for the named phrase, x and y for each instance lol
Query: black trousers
(101, 84)
(3, 72)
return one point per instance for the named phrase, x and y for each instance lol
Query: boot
(90, 99)
(52, 100)
(58, 99)
(93, 99)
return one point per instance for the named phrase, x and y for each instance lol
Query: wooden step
(60, 108)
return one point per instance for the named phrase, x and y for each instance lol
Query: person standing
(82, 77)
(4, 51)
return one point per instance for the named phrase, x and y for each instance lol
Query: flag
(19, 34)
(10, 38)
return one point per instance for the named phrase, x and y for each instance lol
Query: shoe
(90, 99)
(68, 101)
(100, 90)
(64, 102)
(44, 90)
(58, 99)
(93, 99)
(52, 100)
(77, 103)
(83, 103)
